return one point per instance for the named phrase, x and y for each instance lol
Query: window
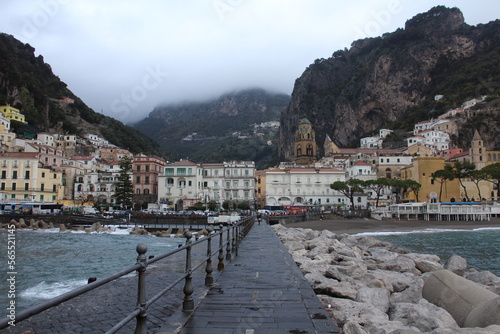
(26, 186)
(14, 186)
(14, 174)
(190, 183)
(138, 191)
(42, 187)
(43, 175)
(146, 181)
(147, 168)
(138, 168)
(2, 186)
(55, 176)
(27, 175)
(146, 191)
(138, 179)
(4, 174)
(181, 171)
(169, 171)
(41, 197)
(54, 188)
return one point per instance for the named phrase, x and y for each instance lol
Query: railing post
(209, 280)
(141, 325)
(188, 304)
(220, 266)
(235, 239)
(228, 246)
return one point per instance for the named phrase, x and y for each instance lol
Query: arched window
(309, 150)
(138, 191)
(299, 150)
(79, 188)
(146, 191)
(388, 173)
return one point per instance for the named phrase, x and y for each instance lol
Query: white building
(301, 186)
(185, 183)
(362, 171)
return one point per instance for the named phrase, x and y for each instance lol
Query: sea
(49, 263)
(480, 247)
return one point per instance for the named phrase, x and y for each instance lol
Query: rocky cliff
(28, 83)
(219, 129)
(389, 79)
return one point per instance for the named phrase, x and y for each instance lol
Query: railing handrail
(232, 239)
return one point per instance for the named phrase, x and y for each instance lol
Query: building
(421, 170)
(145, 171)
(304, 186)
(304, 147)
(185, 183)
(177, 186)
(12, 113)
(23, 178)
(260, 188)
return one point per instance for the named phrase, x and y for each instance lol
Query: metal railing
(233, 234)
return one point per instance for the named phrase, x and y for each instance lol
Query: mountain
(220, 129)
(28, 83)
(391, 81)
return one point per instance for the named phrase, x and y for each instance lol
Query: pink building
(145, 178)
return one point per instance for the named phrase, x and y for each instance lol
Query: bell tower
(304, 147)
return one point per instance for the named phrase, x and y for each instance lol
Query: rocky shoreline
(369, 286)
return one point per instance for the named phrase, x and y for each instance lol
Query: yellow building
(22, 178)
(260, 188)
(421, 170)
(12, 113)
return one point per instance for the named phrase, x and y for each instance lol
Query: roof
(20, 155)
(82, 157)
(362, 163)
(372, 151)
(182, 163)
(304, 121)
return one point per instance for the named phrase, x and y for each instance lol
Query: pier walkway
(260, 291)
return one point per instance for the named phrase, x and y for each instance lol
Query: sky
(123, 58)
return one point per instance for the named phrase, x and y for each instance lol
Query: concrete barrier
(468, 303)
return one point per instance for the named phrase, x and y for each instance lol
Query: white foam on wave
(428, 230)
(45, 290)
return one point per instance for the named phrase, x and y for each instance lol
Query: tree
(348, 188)
(492, 173)
(476, 176)
(442, 175)
(401, 187)
(378, 186)
(462, 170)
(415, 187)
(124, 188)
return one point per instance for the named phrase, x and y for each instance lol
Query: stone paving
(260, 291)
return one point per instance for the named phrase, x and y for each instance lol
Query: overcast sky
(124, 57)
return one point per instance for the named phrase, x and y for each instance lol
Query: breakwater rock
(370, 286)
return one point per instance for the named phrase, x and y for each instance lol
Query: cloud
(109, 51)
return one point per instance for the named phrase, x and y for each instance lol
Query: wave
(44, 290)
(428, 230)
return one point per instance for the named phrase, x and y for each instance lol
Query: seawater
(480, 247)
(49, 263)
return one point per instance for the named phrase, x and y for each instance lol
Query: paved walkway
(261, 291)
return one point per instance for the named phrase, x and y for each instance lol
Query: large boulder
(456, 264)
(424, 316)
(374, 296)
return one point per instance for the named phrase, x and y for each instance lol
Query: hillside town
(83, 171)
